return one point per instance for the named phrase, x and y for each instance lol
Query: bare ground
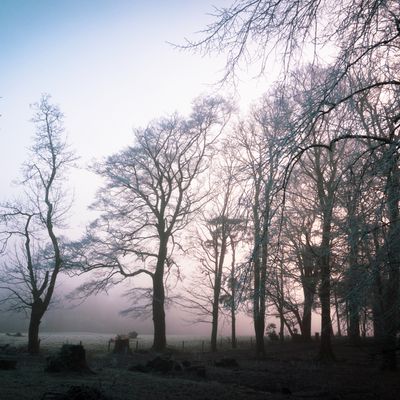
(289, 371)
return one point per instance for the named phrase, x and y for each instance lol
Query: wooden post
(202, 346)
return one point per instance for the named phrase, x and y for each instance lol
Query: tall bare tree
(260, 152)
(31, 227)
(218, 234)
(149, 195)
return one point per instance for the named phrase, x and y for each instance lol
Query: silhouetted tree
(217, 236)
(32, 244)
(260, 153)
(150, 193)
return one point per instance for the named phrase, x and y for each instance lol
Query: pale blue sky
(105, 62)
(108, 66)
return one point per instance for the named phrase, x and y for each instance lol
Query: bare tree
(365, 31)
(377, 115)
(301, 253)
(260, 152)
(150, 193)
(33, 248)
(218, 234)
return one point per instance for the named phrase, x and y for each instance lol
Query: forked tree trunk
(326, 190)
(219, 264)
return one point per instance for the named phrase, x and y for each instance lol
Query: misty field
(92, 341)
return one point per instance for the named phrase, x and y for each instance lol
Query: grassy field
(288, 371)
(99, 342)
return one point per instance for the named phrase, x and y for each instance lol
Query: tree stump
(7, 364)
(121, 345)
(71, 358)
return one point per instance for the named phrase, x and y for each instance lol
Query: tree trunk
(214, 323)
(259, 309)
(307, 313)
(353, 290)
(354, 316)
(377, 306)
(326, 190)
(258, 316)
(234, 341)
(233, 294)
(160, 340)
(259, 328)
(325, 352)
(339, 329)
(391, 293)
(34, 323)
(281, 326)
(309, 285)
(219, 264)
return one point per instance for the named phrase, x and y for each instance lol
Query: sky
(110, 68)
